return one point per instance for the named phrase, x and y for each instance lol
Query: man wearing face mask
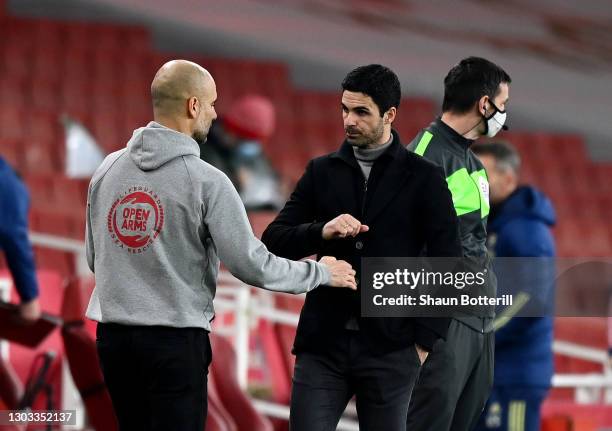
(455, 381)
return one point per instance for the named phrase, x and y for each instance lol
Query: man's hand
(342, 273)
(29, 312)
(422, 353)
(343, 226)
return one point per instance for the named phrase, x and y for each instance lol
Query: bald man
(159, 220)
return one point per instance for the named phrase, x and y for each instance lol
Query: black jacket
(469, 186)
(466, 178)
(407, 206)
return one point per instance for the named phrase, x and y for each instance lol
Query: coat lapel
(387, 179)
(342, 180)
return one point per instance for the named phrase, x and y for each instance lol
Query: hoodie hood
(526, 202)
(155, 145)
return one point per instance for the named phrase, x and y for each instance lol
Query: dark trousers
(323, 383)
(156, 376)
(454, 382)
(513, 408)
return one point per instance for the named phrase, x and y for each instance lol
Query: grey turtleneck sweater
(367, 157)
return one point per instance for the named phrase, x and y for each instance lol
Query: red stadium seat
(605, 206)
(11, 388)
(602, 173)
(42, 95)
(107, 37)
(47, 64)
(104, 129)
(214, 420)
(71, 94)
(231, 395)
(11, 151)
(71, 194)
(77, 292)
(569, 415)
(215, 405)
(77, 36)
(583, 238)
(80, 350)
(44, 125)
(13, 92)
(286, 337)
(104, 67)
(55, 260)
(77, 66)
(136, 40)
(557, 423)
(41, 156)
(65, 224)
(412, 115)
(576, 205)
(14, 59)
(41, 190)
(12, 120)
(44, 221)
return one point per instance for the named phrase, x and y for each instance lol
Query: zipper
(365, 191)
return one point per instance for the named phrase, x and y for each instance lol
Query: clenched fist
(343, 226)
(342, 273)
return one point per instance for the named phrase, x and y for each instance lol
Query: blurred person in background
(519, 226)
(457, 377)
(371, 198)
(14, 241)
(159, 221)
(234, 147)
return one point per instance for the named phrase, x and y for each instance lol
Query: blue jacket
(14, 204)
(523, 346)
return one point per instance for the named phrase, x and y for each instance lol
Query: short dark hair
(378, 82)
(468, 81)
(504, 154)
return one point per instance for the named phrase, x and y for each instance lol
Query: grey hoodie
(158, 221)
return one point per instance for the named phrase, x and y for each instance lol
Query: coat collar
(451, 134)
(387, 178)
(346, 153)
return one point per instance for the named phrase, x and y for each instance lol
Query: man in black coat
(371, 198)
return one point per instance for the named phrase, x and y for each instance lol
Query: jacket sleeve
(442, 240)
(15, 242)
(295, 233)
(441, 223)
(245, 256)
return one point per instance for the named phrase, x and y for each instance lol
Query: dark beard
(365, 141)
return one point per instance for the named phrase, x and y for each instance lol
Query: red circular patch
(136, 218)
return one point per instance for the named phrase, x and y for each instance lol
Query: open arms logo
(135, 219)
